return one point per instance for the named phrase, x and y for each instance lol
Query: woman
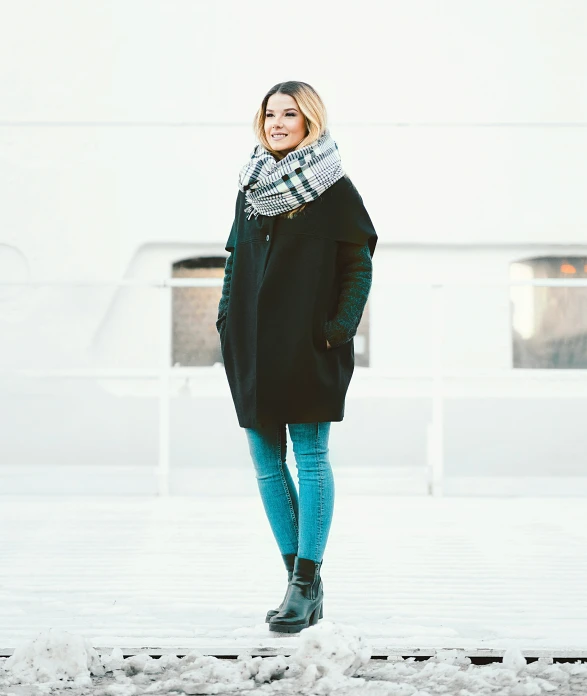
(295, 287)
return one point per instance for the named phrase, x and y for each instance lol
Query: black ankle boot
(302, 606)
(289, 560)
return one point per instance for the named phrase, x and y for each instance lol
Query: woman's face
(283, 117)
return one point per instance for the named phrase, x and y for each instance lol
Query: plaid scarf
(272, 187)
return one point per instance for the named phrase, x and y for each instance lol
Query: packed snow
(331, 658)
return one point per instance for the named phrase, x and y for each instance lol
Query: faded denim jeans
(300, 524)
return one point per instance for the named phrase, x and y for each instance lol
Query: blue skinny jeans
(300, 524)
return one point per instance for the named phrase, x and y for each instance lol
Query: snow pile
(330, 659)
(513, 659)
(451, 657)
(204, 674)
(57, 656)
(328, 653)
(331, 650)
(52, 657)
(137, 664)
(451, 672)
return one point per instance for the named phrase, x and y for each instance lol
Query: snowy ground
(329, 658)
(401, 576)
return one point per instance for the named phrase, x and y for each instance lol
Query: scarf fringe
(252, 212)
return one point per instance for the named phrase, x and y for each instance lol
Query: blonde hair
(313, 110)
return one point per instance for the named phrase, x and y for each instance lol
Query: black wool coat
(285, 285)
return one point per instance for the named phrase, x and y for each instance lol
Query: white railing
(438, 388)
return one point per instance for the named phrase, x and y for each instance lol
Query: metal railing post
(164, 378)
(435, 431)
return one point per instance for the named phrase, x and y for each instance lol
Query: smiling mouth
(278, 136)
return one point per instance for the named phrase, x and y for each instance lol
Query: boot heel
(321, 614)
(314, 618)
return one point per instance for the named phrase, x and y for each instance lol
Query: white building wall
(123, 126)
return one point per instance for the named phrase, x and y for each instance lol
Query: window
(549, 324)
(362, 340)
(195, 339)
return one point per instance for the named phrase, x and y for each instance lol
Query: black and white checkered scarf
(272, 187)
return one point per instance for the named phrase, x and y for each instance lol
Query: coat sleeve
(350, 225)
(223, 304)
(356, 275)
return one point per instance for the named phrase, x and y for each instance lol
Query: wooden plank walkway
(413, 574)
